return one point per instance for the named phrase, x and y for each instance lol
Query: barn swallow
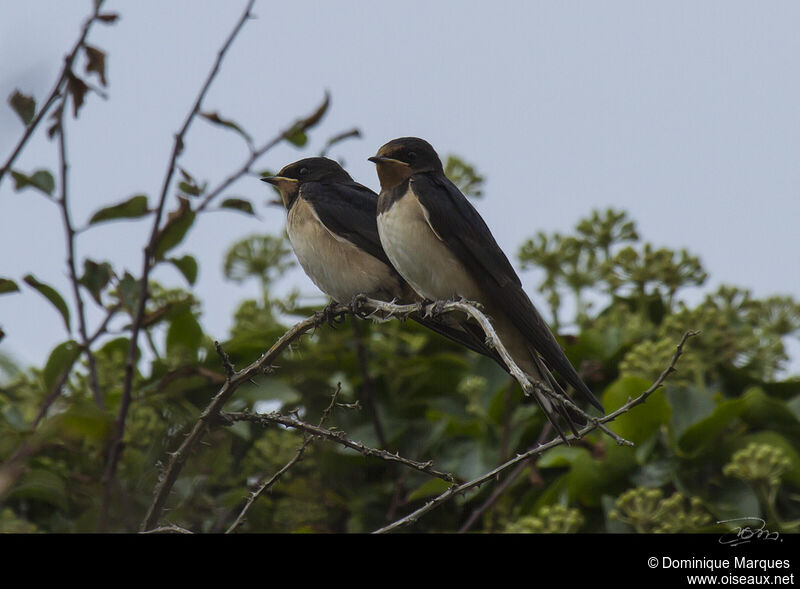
(440, 244)
(332, 226)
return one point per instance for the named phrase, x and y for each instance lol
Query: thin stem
(54, 93)
(115, 447)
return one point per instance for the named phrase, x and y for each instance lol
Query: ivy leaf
(96, 62)
(184, 332)
(218, 120)
(132, 208)
(96, 277)
(238, 204)
(8, 285)
(60, 361)
(174, 230)
(23, 105)
(51, 295)
(296, 134)
(41, 180)
(187, 266)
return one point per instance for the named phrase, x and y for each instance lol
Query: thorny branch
(362, 307)
(266, 485)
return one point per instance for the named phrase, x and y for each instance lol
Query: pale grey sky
(685, 114)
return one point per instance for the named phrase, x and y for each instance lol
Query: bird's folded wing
(460, 226)
(348, 211)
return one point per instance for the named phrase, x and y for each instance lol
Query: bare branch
(73, 274)
(255, 155)
(338, 437)
(115, 447)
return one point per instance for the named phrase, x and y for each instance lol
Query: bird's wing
(460, 226)
(349, 211)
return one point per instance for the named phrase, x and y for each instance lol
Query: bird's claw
(355, 305)
(331, 315)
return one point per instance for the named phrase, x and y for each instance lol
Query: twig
(247, 167)
(263, 487)
(456, 489)
(115, 447)
(54, 93)
(211, 413)
(368, 389)
(73, 274)
(504, 485)
(340, 438)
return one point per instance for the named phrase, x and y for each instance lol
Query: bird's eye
(303, 172)
(411, 156)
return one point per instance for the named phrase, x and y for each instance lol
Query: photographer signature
(746, 534)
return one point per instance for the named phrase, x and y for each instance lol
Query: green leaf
(187, 266)
(175, 229)
(238, 204)
(132, 208)
(296, 137)
(85, 421)
(700, 435)
(128, 292)
(763, 410)
(184, 332)
(431, 488)
(23, 105)
(8, 285)
(60, 361)
(51, 295)
(643, 420)
(96, 277)
(296, 133)
(41, 180)
(560, 457)
(41, 485)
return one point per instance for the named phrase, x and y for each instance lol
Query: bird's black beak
(277, 180)
(382, 159)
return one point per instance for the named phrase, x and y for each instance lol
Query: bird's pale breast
(419, 255)
(333, 263)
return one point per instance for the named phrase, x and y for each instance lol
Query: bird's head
(312, 169)
(397, 160)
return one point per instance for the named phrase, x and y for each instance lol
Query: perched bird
(439, 243)
(331, 223)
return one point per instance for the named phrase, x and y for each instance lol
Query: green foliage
(647, 510)
(464, 175)
(133, 208)
(555, 519)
